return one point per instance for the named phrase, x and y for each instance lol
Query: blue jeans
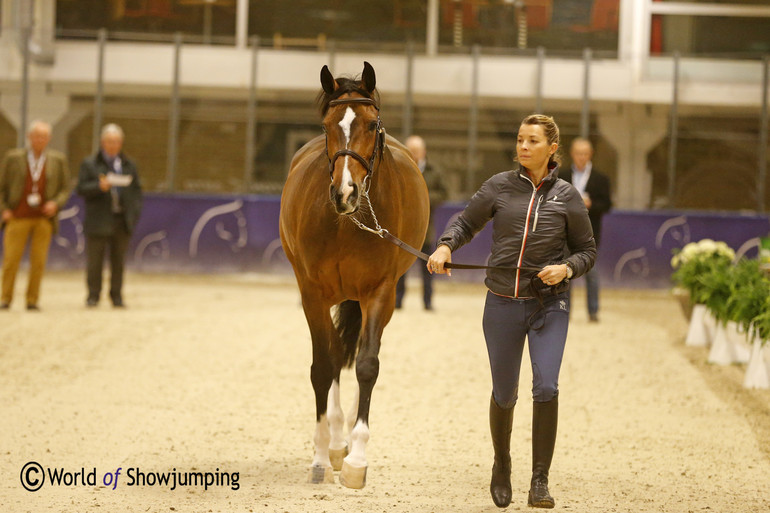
(507, 322)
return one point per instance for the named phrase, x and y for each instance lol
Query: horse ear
(327, 81)
(368, 77)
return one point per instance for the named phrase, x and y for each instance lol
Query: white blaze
(346, 186)
(345, 123)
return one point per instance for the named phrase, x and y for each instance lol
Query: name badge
(33, 199)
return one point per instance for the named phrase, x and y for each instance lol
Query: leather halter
(379, 142)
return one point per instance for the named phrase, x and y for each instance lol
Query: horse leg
(338, 447)
(321, 376)
(353, 412)
(376, 314)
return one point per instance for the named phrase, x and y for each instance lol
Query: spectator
(438, 194)
(110, 184)
(594, 187)
(34, 186)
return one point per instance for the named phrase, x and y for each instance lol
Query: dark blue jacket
(99, 219)
(532, 227)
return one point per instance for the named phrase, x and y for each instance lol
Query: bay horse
(342, 188)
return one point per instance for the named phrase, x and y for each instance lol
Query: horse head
(354, 135)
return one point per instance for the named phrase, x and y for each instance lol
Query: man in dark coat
(110, 185)
(595, 189)
(437, 193)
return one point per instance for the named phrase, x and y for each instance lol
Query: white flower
(704, 248)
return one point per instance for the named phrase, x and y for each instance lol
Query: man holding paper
(109, 183)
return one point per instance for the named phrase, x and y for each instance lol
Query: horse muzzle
(346, 200)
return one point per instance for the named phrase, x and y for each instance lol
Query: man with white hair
(34, 186)
(109, 183)
(594, 187)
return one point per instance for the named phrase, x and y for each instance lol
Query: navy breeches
(507, 322)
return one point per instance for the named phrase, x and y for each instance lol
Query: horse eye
(372, 125)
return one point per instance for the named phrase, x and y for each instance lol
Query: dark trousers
(96, 247)
(592, 290)
(507, 322)
(427, 282)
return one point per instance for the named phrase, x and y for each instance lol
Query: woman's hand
(553, 274)
(437, 260)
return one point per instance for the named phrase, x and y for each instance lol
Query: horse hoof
(337, 455)
(320, 475)
(352, 477)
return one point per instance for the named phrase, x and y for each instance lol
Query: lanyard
(35, 166)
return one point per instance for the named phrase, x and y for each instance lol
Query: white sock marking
(336, 417)
(321, 440)
(359, 437)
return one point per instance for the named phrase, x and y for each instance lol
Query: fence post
(21, 134)
(473, 129)
(761, 179)
(99, 98)
(408, 122)
(251, 120)
(173, 119)
(539, 79)
(585, 115)
(673, 133)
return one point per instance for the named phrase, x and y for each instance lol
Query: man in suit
(595, 189)
(437, 193)
(34, 186)
(110, 185)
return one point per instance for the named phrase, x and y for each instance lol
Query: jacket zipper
(537, 213)
(526, 232)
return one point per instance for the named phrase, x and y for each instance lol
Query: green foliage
(761, 322)
(714, 289)
(749, 293)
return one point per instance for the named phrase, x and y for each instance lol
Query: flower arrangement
(696, 261)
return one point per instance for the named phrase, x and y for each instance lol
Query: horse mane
(346, 85)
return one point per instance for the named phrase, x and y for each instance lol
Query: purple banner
(240, 233)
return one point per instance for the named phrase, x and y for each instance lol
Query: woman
(539, 222)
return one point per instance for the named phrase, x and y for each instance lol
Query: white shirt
(580, 178)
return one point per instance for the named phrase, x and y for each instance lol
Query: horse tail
(347, 320)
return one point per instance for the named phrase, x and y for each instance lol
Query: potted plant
(691, 264)
(734, 297)
(758, 369)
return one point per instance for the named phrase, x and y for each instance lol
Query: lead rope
(383, 233)
(379, 230)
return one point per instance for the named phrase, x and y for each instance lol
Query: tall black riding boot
(500, 423)
(544, 421)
